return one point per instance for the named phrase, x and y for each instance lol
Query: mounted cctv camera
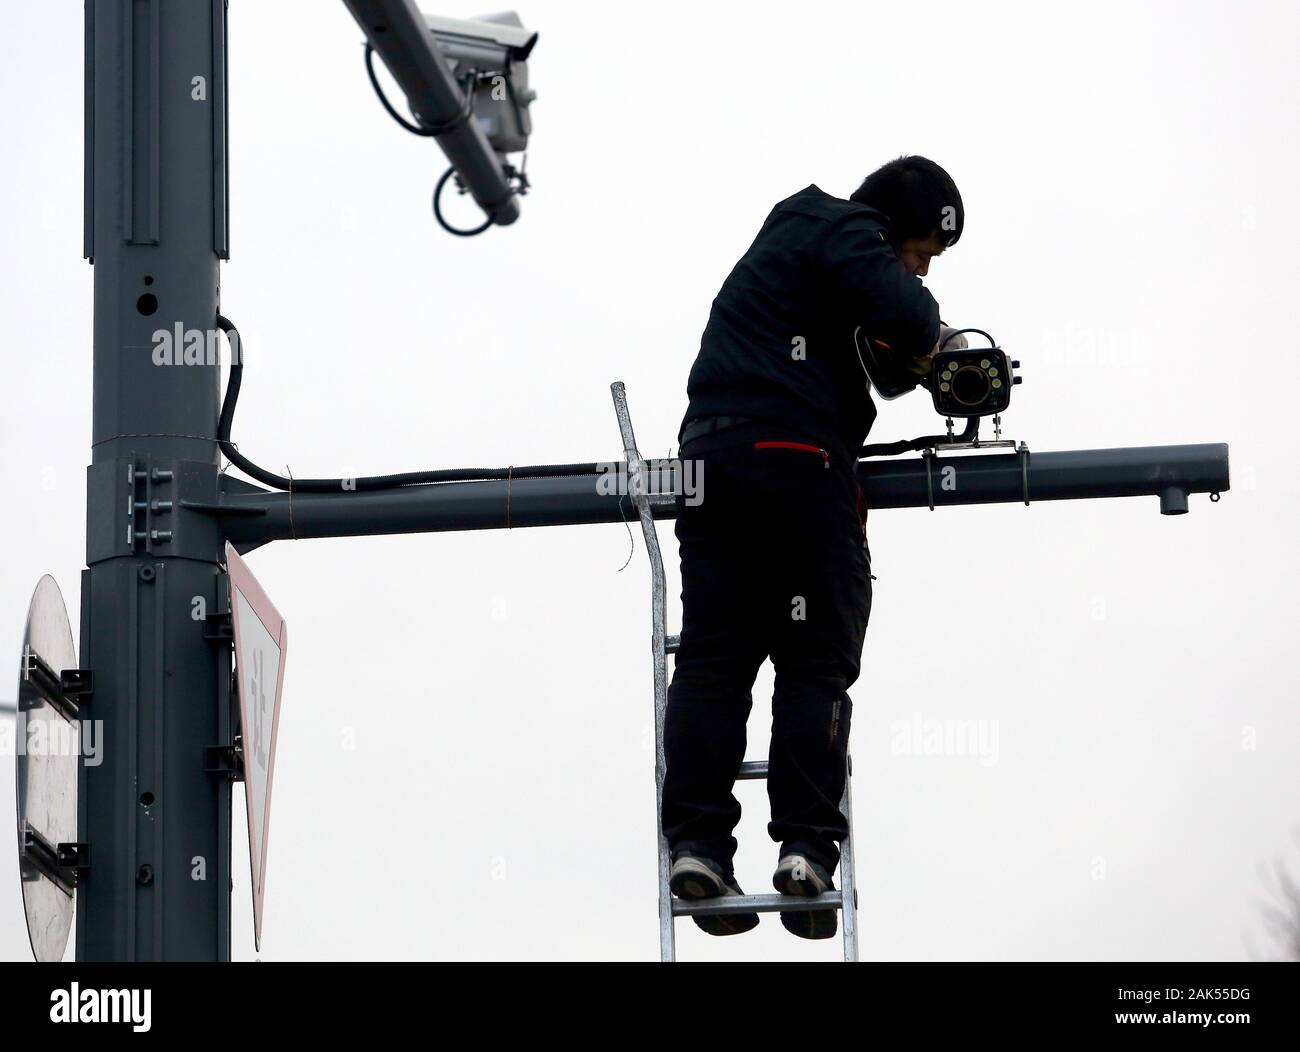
(492, 53)
(494, 38)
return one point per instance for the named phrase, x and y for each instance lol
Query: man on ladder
(775, 561)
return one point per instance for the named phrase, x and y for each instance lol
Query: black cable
(372, 482)
(959, 332)
(414, 129)
(442, 220)
(438, 128)
(889, 449)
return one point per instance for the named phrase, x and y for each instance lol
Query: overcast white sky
(1129, 172)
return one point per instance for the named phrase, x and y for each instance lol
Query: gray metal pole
(156, 824)
(252, 516)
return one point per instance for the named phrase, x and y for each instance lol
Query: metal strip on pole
(637, 486)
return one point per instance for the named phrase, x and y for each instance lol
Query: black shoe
(800, 875)
(695, 877)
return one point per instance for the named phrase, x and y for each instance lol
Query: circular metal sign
(47, 742)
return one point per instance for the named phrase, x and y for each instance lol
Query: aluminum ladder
(644, 485)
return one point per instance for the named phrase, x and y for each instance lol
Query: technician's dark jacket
(820, 268)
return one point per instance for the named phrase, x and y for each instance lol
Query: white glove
(957, 343)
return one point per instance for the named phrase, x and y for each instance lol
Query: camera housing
(972, 381)
(493, 53)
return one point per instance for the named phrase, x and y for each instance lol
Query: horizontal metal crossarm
(252, 516)
(756, 904)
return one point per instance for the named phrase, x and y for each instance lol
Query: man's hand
(956, 343)
(921, 366)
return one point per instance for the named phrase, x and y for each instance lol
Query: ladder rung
(753, 769)
(672, 644)
(755, 904)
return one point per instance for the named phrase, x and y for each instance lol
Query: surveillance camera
(965, 382)
(491, 39)
(491, 54)
(974, 382)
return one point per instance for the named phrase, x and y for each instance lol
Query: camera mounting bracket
(931, 453)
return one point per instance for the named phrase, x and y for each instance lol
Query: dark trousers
(774, 564)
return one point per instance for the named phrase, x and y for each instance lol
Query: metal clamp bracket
(77, 683)
(64, 691)
(225, 760)
(218, 628)
(61, 863)
(929, 455)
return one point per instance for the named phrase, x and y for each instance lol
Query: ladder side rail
(659, 629)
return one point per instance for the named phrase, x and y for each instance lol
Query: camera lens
(970, 385)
